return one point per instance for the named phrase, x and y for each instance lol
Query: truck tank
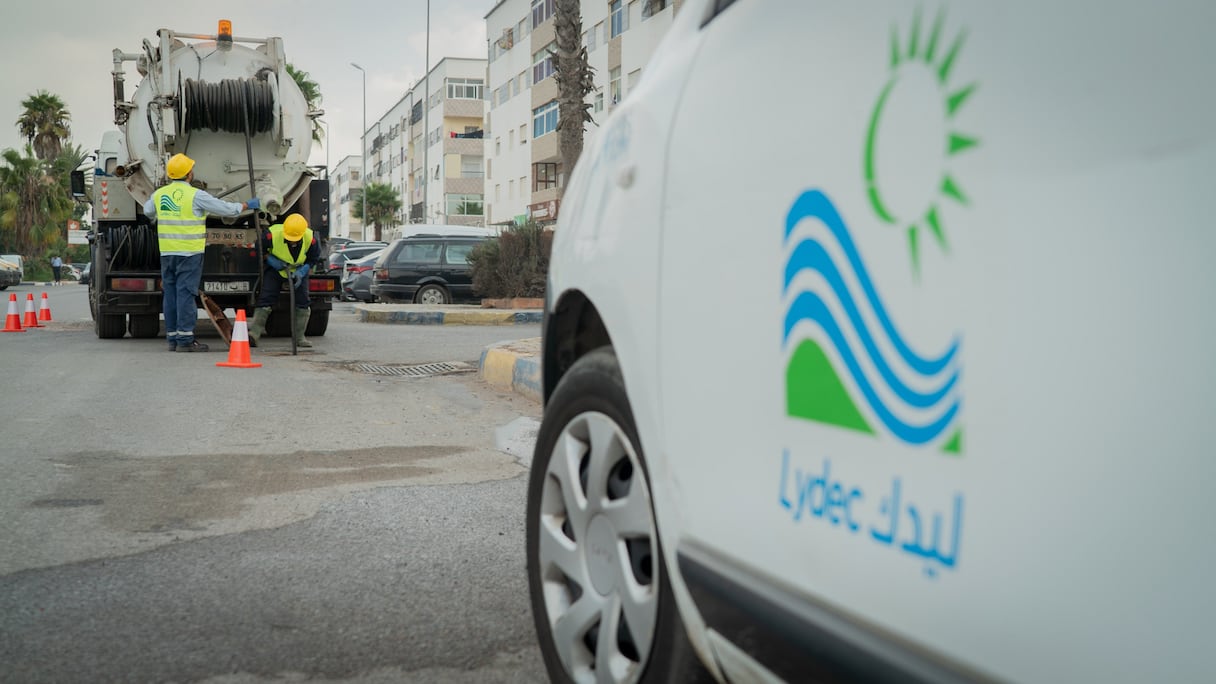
(195, 96)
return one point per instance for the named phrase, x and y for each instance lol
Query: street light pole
(363, 151)
(426, 118)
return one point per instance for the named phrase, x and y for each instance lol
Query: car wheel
(601, 600)
(432, 294)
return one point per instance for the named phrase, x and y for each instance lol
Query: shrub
(513, 265)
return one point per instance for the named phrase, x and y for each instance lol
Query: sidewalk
(452, 314)
(513, 367)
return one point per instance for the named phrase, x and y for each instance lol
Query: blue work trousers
(180, 276)
(272, 285)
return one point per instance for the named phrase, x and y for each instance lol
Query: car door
(417, 262)
(914, 356)
(456, 271)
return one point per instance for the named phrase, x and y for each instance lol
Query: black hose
(133, 248)
(218, 106)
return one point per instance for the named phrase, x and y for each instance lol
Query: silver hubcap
(597, 545)
(432, 296)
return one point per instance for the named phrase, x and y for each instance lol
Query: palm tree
(44, 124)
(574, 82)
(34, 205)
(383, 203)
(312, 95)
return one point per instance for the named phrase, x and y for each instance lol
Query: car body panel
(945, 199)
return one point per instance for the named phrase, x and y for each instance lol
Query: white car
(878, 347)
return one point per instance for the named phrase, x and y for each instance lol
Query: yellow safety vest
(178, 229)
(278, 247)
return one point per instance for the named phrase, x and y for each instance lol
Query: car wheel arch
(572, 330)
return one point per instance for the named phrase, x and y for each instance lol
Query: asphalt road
(163, 519)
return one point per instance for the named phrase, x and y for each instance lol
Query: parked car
(10, 274)
(425, 269)
(357, 277)
(84, 273)
(18, 261)
(333, 263)
(917, 389)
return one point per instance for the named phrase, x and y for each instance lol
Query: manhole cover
(421, 370)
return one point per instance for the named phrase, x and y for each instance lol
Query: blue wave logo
(168, 205)
(847, 364)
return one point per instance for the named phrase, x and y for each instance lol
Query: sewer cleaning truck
(229, 103)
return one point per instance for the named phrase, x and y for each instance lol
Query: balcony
(469, 147)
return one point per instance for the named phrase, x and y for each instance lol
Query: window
(542, 63)
(521, 82)
(419, 253)
(521, 29)
(592, 34)
(497, 146)
(542, 10)
(599, 101)
(511, 138)
(544, 119)
(617, 9)
(435, 136)
(523, 134)
(510, 189)
(458, 252)
(523, 186)
(489, 169)
(354, 174)
(653, 7)
(614, 85)
(463, 205)
(544, 176)
(497, 192)
(466, 88)
(634, 76)
(470, 167)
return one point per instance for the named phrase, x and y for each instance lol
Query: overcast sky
(65, 47)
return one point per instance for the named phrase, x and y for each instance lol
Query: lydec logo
(848, 362)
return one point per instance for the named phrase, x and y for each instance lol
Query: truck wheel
(144, 326)
(318, 322)
(110, 326)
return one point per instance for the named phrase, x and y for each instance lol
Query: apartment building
(523, 163)
(429, 147)
(345, 180)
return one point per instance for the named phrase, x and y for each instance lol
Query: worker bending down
(289, 248)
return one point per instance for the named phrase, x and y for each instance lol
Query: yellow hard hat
(179, 166)
(294, 227)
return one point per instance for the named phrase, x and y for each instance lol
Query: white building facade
(523, 163)
(345, 180)
(429, 149)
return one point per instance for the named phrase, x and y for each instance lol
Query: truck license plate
(226, 286)
(235, 237)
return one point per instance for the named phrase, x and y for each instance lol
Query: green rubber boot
(302, 316)
(258, 326)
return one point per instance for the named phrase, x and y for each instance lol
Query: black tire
(318, 323)
(592, 393)
(437, 294)
(110, 326)
(144, 326)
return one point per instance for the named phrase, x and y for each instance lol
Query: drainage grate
(421, 370)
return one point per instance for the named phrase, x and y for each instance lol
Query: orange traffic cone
(238, 351)
(44, 309)
(12, 322)
(31, 316)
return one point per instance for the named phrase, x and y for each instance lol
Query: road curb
(406, 314)
(513, 367)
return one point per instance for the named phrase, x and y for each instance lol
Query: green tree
(574, 82)
(383, 203)
(45, 124)
(34, 204)
(312, 95)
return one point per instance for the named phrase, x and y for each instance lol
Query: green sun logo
(910, 139)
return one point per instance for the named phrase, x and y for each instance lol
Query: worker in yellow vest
(290, 248)
(180, 211)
